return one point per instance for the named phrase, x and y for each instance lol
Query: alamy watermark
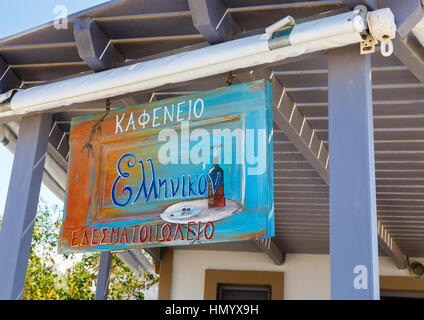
(229, 146)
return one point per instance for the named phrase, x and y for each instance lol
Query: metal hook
(229, 78)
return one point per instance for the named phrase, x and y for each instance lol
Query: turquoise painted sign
(193, 169)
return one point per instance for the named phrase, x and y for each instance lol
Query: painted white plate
(198, 211)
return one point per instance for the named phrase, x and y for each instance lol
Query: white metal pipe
(317, 35)
(314, 30)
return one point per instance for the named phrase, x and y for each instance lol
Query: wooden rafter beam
(54, 174)
(271, 249)
(213, 20)
(389, 246)
(295, 126)
(94, 46)
(59, 144)
(406, 48)
(301, 134)
(410, 54)
(407, 14)
(155, 253)
(8, 78)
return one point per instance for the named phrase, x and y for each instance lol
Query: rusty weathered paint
(124, 194)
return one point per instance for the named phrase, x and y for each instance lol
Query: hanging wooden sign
(188, 170)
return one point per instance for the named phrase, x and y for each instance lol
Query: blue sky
(17, 16)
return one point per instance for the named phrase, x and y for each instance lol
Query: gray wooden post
(21, 204)
(103, 275)
(353, 218)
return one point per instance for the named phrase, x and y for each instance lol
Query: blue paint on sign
(192, 169)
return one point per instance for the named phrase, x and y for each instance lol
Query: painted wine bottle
(216, 182)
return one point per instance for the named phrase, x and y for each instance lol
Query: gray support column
(103, 275)
(353, 218)
(21, 204)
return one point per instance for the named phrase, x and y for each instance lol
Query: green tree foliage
(45, 280)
